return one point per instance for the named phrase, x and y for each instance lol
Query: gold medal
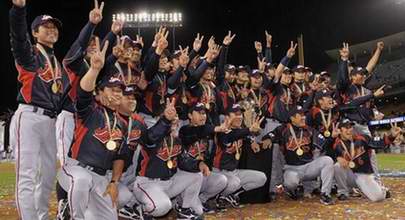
(326, 133)
(184, 99)
(237, 156)
(162, 101)
(207, 105)
(169, 164)
(352, 165)
(200, 157)
(111, 145)
(300, 152)
(55, 87)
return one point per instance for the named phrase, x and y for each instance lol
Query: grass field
(356, 208)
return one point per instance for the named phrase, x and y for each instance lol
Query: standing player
(33, 125)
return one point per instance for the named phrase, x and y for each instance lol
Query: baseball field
(355, 208)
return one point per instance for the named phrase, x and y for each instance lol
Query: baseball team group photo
(127, 110)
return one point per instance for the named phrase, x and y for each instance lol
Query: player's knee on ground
(376, 196)
(124, 195)
(326, 161)
(260, 179)
(221, 182)
(161, 206)
(291, 180)
(233, 184)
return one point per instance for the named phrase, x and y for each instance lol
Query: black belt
(43, 111)
(97, 170)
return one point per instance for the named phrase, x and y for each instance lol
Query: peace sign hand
(395, 130)
(162, 43)
(96, 15)
(117, 26)
(291, 50)
(184, 58)
(118, 49)
(256, 125)
(228, 38)
(170, 112)
(335, 130)
(198, 42)
(98, 58)
(258, 46)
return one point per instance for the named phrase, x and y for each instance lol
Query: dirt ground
(356, 208)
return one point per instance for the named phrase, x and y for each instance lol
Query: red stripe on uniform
(26, 78)
(80, 132)
(144, 162)
(147, 195)
(218, 156)
(70, 190)
(18, 164)
(74, 83)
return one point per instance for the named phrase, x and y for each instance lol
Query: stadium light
(145, 19)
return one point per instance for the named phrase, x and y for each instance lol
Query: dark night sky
(325, 24)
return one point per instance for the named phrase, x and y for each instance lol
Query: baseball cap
(129, 90)
(255, 72)
(358, 70)
(234, 108)
(298, 68)
(323, 93)
(112, 82)
(296, 110)
(197, 107)
(345, 123)
(230, 67)
(243, 68)
(42, 19)
(287, 71)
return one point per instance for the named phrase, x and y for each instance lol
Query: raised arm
(88, 81)
(19, 38)
(284, 62)
(267, 52)
(343, 81)
(77, 51)
(376, 56)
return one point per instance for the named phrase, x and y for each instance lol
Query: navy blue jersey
(91, 133)
(154, 159)
(35, 75)
(361, 154)
(228, 146)
(195, 146)
(75, 66)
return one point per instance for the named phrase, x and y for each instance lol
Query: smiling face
(256, 81)
(197, 118)
(346, 132)
(46, 34)
(128, 104)
(237, 119)
(113, 95)
(298, 120)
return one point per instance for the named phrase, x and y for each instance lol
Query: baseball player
(297, 142)
(159, 180)
(230, 146)
(195, 140)
(97, 147)
(33, 125)
(137, 134)
(354, 168)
